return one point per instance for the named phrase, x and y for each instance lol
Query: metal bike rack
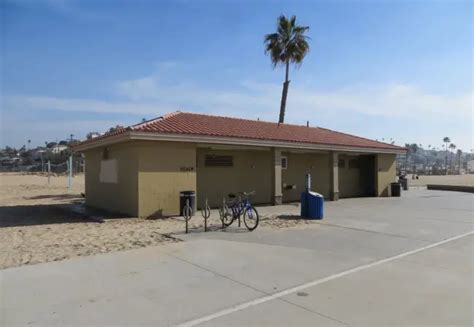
(206, 213)
(187, 212)
(221, 213)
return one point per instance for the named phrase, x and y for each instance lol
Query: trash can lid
(315, 194)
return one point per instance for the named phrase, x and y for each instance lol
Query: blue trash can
(312, 205)
(304, 204)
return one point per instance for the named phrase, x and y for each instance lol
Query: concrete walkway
(372, 261)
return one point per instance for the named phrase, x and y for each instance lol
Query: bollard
(307, 179)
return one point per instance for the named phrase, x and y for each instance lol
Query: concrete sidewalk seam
(215, 273)
(315, 283)
(373, 232)
(305, 249)
(253, 288)
(449, 221)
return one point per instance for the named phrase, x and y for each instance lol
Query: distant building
(58, 149)
(8, 162)
(93, 135)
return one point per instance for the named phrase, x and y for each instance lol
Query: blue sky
(398, 70)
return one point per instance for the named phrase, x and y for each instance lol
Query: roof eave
(254, 142)
(171, 137)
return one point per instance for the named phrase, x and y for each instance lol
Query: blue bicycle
(239, 206)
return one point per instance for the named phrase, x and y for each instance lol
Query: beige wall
(151, 174)
(386, 173)
(120, 196)
(251, 172)
(316, 164)
(164, 170)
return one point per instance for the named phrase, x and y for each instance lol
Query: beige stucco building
(140, 170)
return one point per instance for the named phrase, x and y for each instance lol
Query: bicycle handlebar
(244, 194)
(247, 193)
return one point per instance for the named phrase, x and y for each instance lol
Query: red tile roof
(206, 125)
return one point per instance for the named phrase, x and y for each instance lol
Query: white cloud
(82, 105)
(69, 8)
(150, 96)
(395, 100)
(17, 131)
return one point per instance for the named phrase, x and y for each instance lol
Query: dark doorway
(367, 174)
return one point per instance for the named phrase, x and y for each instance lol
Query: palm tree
(413, 149)
(407, 154)
(287, 45)
(451, 148)
(446, 140)
(459, 154)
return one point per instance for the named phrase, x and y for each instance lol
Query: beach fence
(68, 167)
(56, 168)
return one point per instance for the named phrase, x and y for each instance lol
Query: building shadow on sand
(38, 214)
(42, 214)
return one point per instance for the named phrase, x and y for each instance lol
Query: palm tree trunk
(446, 159)
(451, 168)
(284, 94)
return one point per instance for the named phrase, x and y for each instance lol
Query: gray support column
(277, 195)
(334, 178)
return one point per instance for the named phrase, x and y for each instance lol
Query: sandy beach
(37, 226)
(465, 180)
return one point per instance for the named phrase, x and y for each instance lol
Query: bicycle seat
(231, 196)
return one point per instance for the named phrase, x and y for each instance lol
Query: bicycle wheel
(226, 216)
(251, 218)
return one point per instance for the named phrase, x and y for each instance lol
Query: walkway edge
(298, 288)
